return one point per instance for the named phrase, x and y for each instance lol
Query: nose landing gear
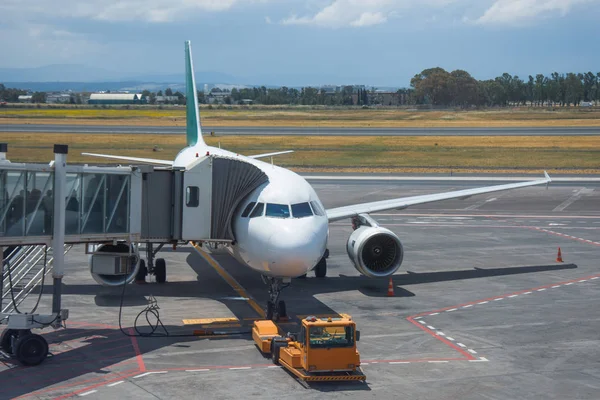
(276, 309)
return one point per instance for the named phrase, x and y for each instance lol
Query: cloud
(504, 12)
(369, 18)
(361, 13)
(122, 10)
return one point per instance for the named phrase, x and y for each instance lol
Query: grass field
(573, 154)
(305, 116)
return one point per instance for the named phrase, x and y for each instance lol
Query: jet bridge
(45, 207)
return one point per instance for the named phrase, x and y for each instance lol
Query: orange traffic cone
(391, 288)
(559, 256)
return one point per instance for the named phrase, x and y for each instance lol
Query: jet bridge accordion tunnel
(196, 203)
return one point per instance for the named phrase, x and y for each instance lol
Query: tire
(142, 271)
(277, 345)
(321, 268)
(281, 311)
(7, 339)
(31, 349)
(270, 311)
(160, 270)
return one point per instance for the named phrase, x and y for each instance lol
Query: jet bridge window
(258, 210)
(192, 196)
(278, 210)
(301, 210)
(248, 209)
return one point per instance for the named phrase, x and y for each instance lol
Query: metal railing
(24, 267)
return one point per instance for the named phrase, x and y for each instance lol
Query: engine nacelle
(114, 265)
(375, 251)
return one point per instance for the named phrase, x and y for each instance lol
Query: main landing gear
(276, 309)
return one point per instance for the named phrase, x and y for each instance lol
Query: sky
(301, 42)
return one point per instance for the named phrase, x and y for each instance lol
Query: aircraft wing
(271, 154)
(338, 213)
(136, 159)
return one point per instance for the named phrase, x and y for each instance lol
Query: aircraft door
(197, 204)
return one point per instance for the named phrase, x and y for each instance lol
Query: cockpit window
(316, 208)
(258, 210)
(248, 209)
(278, 210)
(301, 210)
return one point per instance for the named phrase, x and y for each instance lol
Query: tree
(168, 92)
(38, 97)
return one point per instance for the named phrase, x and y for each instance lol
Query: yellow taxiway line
(230, 280)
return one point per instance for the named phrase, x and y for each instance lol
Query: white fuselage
(272, 242)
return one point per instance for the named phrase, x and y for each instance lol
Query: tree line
(433, 86)
(458, 88)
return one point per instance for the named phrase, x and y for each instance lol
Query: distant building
(62, 98)
(117, 98)
(167, 99)
(25, 98)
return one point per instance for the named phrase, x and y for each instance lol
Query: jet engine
(375, 251)
(113, 265)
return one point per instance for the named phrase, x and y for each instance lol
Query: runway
(482, 308)
(303, 131)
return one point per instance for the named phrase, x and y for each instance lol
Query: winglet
(193, 129)
(547, 177)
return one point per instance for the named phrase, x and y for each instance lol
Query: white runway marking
(197, 370)
(555, 286)
(513, 295)
(431, 327)
(234, 368)
(399, 362)
(468, 305)
(449, 338)
(452, 309)
(461, 345)
(499, 298)
(437, 361)
(86, 393)
(149, 373)
(422, 322)
(115, 384)
(471, 351)
(435, 313)
(441, 333)
(576, 196)
(483, 302)
(541, 290)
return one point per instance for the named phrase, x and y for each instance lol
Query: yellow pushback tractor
(324, 349)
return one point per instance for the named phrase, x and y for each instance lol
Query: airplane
(282, 228)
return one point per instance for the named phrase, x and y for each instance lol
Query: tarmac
(303, 131)
(481, 309)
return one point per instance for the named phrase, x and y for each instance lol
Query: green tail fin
(193, 128)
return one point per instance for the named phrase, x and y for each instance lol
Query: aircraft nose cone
(294, 253)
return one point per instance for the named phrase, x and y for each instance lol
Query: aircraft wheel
(6, 340)
(142, 271)
(281, 310)
(321, 268)
(160, 270)
(270, 310)
(31, 349)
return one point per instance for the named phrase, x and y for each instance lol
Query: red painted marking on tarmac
(138, 356)
(86, 389)
(567, 236)
(501, 296)
(468, 355)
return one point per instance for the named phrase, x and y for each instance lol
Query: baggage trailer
(323, 351)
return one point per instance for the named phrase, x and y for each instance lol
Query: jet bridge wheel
(321, 268)
(6, 340)
(31, 349)
(160, 270)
